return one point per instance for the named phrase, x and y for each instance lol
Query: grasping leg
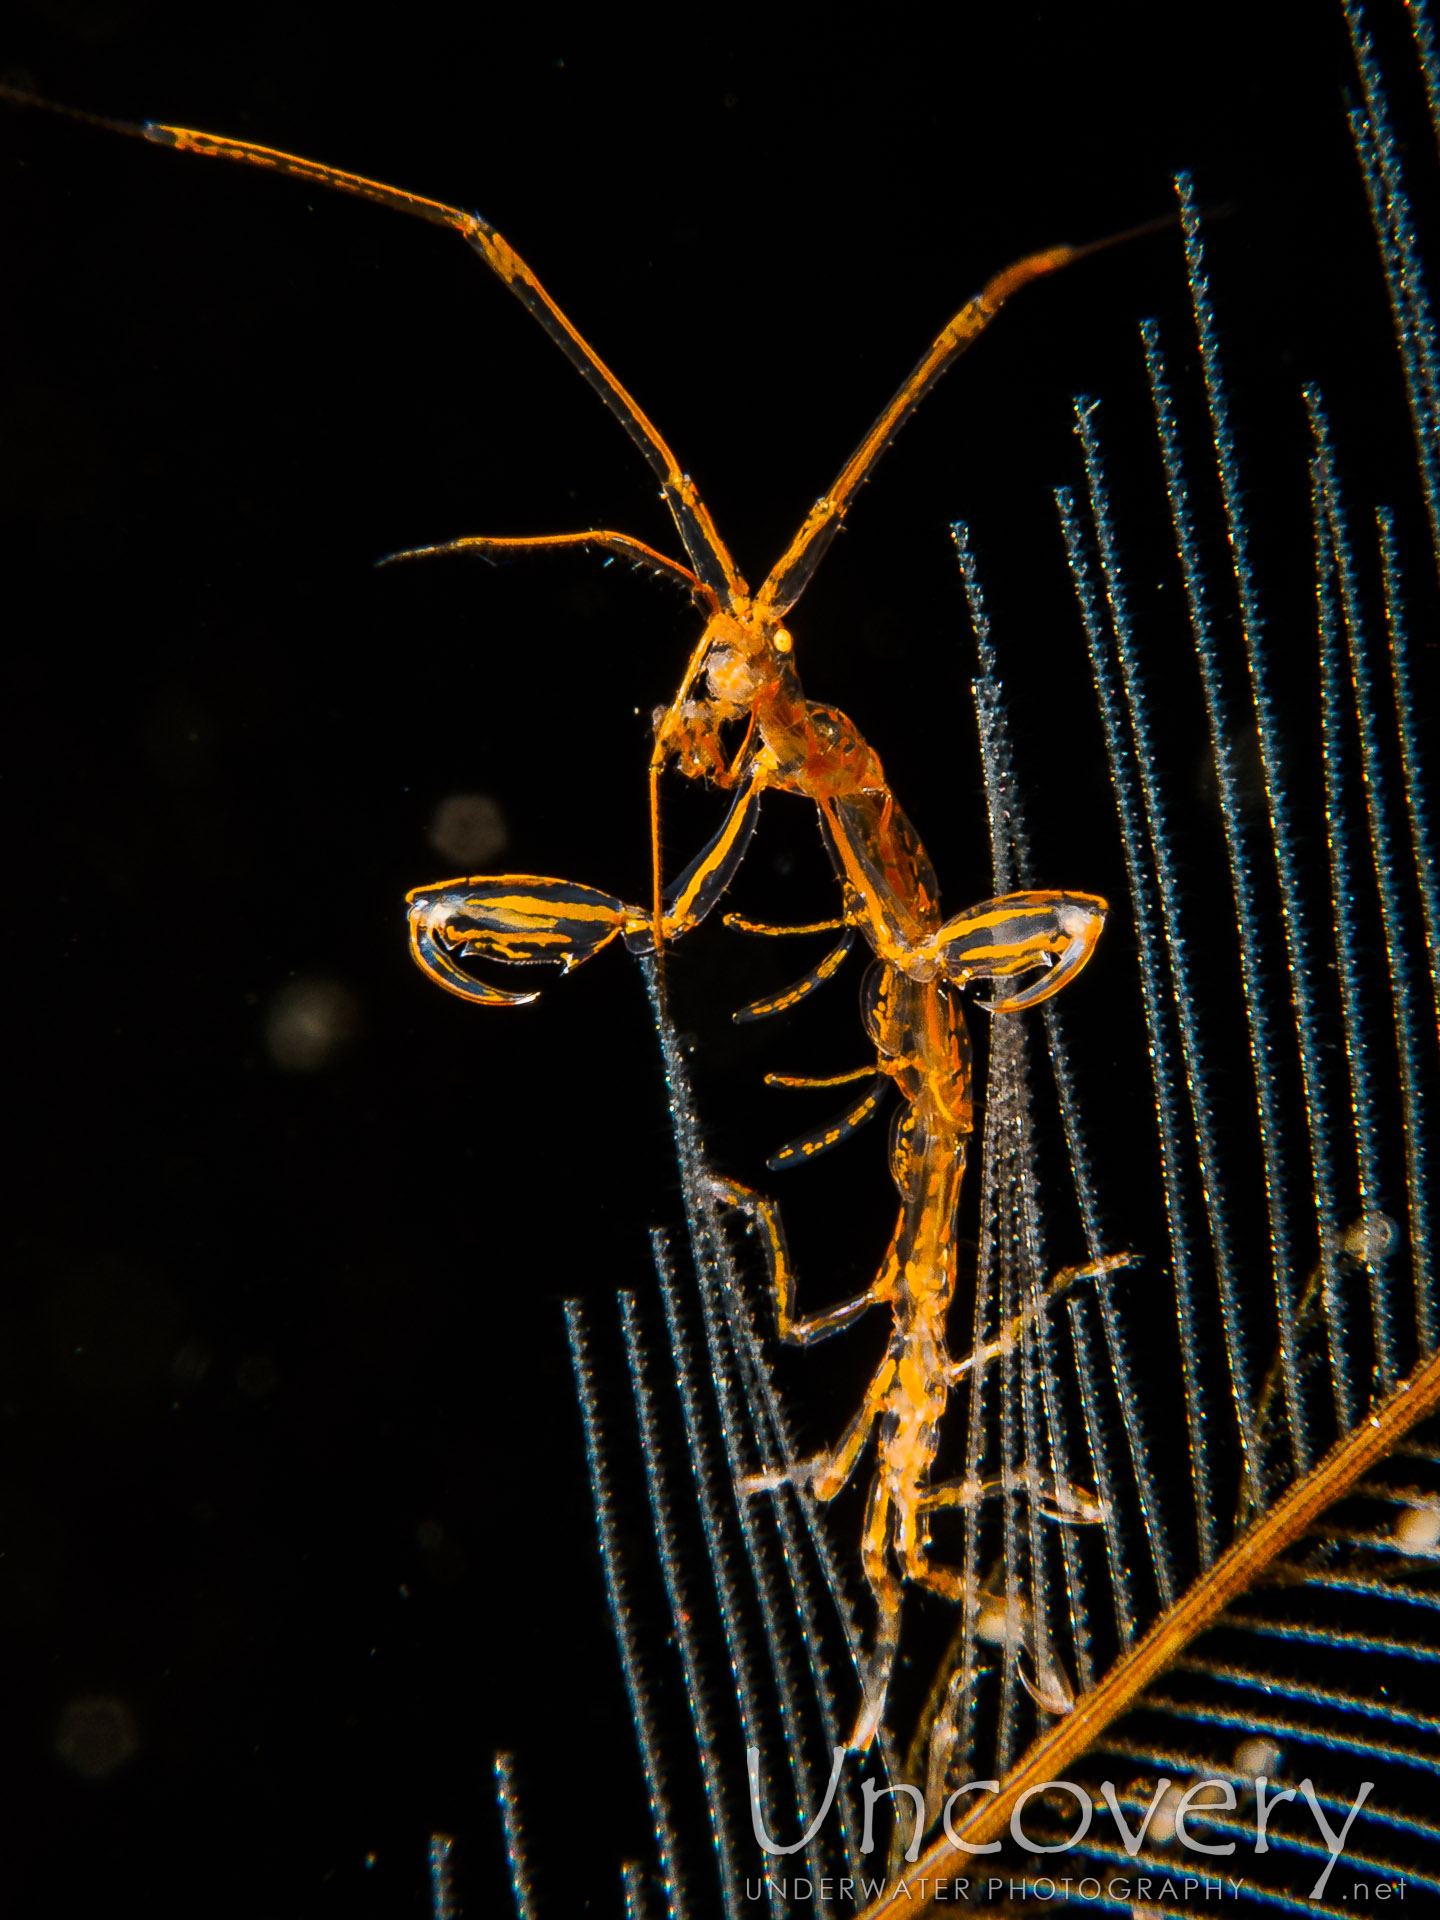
(1009, 1336)
(520, 919)
(764, 1215)
(912, 1544)
(884, 1584)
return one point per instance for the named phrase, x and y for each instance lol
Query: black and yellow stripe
(792, 996)
(809, 1146)
(518, 919)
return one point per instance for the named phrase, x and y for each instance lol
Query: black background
(291, 1471)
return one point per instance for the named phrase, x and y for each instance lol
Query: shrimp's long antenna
(708, 554)
(791, 573)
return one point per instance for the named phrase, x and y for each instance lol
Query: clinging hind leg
(885, 1585)
(764, 1216)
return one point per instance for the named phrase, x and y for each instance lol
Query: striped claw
(519, 919)
(1018, 933)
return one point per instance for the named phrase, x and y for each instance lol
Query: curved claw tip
(436, 961)
(877, 1685)
(1080, 921)
(868, 1725)
(1050, 1688)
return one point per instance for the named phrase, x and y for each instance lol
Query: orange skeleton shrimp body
(742, 671)
(912, 1017)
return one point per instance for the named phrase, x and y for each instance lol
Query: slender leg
(792, 996)
(693, 893)
(914, 1551)
(815, 1080)
(827, 1473)
(772, 932)
(1066, 1278)
(809, 1146)
(832, 1476)
(1057, 1500)
(885, 1586)
(764, 1215)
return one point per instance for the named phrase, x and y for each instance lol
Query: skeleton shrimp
(741, 676)
(911, 1014)
(912, 1017)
